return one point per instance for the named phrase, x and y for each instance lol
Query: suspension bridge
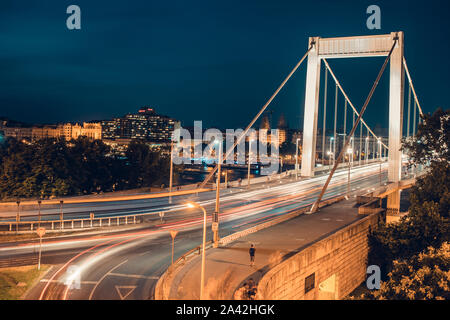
(351, 148)
(135, 259)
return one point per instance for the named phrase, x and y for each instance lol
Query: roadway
(127, 264)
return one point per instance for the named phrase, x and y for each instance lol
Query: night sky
(216, 61)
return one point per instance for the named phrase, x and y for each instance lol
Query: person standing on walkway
(252, 255)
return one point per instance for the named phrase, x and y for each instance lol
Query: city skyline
(180, 60)
(224, 151)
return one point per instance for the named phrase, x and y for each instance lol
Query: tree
(427, 223)
(423, 276)
(432, 141)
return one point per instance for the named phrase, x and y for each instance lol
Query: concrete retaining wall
(335, 266)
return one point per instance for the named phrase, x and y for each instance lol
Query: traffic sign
(40, 231)
(173, 233)
(215, 226)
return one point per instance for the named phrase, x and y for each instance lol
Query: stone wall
(329, 269)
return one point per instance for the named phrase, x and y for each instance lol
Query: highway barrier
(73, 224)
(18, 262)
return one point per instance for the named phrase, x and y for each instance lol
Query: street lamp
(366, 148)
(61, 214)
(18, 216)
(379, 155)
(248, 168)
(39, 214)
(334, 147)
(216, 212)
(225, 174)
(349, 152)
(330, 154)
(296, 158)
(202, 275)
(171, 172)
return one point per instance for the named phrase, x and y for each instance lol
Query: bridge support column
(311, 110)
(396, 88)
(393, 203)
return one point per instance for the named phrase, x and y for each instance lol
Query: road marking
(129, 290)
(104, 276)
(67, 263)
(325, 219)
(133, 276)
(59, 281)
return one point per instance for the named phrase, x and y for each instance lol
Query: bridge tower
(356, 47)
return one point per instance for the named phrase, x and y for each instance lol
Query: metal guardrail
(191, 252)
(18, 262)
(74, 224)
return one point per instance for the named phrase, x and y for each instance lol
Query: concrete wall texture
(329, 269)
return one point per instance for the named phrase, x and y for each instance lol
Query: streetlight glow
(193, 204)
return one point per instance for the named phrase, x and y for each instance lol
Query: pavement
(227, 268)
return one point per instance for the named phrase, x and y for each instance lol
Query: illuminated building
(145, 125)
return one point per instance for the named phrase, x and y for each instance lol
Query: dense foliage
(54, 167)
(426, 225)
(423, 276)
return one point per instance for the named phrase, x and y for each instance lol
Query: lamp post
(379, 155)
(226, 178)
(248, 168)
(202, 275)
(334, 147)
(330, 154)
(18, 216)
(296, 158)
(61, 214)
(39, 214)
(349, 152)
(216, 212)
(171, 172)
(366, 148)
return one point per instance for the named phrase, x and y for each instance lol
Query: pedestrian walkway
(228, 268)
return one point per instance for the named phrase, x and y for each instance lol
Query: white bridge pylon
(355, 47)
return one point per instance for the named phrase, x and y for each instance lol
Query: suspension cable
(363, 109)
(360, 139)
(324, 115)
(345, 122)
(244, 133)
(409, 109)
(348, 99)
(335, 118)
(414, 119)
(412, 86)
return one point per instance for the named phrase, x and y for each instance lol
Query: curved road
(127, 264)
